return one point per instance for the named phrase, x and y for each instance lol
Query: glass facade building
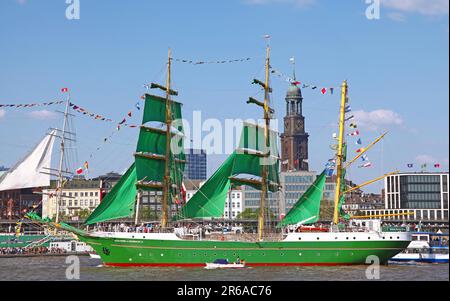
(420, 196)
(196, 164)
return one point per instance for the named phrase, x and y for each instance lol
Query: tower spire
(292, 60)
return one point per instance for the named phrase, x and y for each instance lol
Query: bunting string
(31, 105)
(211, 62)
(322, 90)
(95, 116)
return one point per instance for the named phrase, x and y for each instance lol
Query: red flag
(296, 83)
(129, 114)
(65, 90)
(324, 91)
(86, 165)
(79, 171)
(437, 165)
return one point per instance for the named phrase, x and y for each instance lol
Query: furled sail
(119, 202)
(245, 162)
(28, 173)
(307, 208)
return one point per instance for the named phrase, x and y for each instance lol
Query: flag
(138, 106)
(65, 90)
(86, 165)
(183, 192)
(360, 150)
(437, 165)
(348, 109)
(292, 60)
(365, 158)
(296, 83)
(349, 118)
(329, 172)
(353, 125)
(123, 121)
(410, 165)
(118, 128)
(368, 164)
(324, 91)
(129, 114)
(356, 133)
(79, 171)
(359, 141)
(331, 91)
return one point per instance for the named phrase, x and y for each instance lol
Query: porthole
(194, 254)
(162, 254)
(351, 253)
(234, 254)
(215, 254)
(368, 237)
(318, 238)
(354, 237)
(398, 237)
(132, 236)
(346, 238)
(206, 254)
(299, 254)
(129, 259)
(384, 237)
(390, 237)
(140, 254)
(337, 254)
(263, 254)
(299, 238)
(336, 237)
(281, 254)
(179, 255)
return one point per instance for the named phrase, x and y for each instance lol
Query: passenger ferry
(425, 247)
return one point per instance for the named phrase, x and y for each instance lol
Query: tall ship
(158, 166)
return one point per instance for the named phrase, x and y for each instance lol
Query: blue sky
(397, 68)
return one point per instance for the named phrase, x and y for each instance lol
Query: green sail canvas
(209, 201)
(118, 203)
(307, 207)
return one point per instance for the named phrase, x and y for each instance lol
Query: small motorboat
(224, 264)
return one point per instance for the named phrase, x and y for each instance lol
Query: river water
(54, 268)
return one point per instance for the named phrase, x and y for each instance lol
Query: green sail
(209, 201)
(155, 109)
(151, 148)
(307, 208)
(118, 203)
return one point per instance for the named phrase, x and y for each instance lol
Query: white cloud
(424, 7)
(378, 119)
(2, 113)
(425, 159)
(43, 115)
(298, 3)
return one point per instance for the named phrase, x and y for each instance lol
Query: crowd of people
(30, 251)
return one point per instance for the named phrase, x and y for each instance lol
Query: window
(91, 194)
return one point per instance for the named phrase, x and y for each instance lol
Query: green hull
(145, 252)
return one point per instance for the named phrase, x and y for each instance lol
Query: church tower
(294, 140)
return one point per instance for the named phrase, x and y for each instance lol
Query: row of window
(83, 203)
(299, 179)
(82, 194)
(419, 214)
(233, 204)
(421, 179)
(424, 197)
(421, 205)
(428, 187)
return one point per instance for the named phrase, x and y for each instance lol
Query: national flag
(79, 171)
(353, 125)
(365, 158)
(123, 121)
(410, 165)
(65, 90)
(360, 150)
(355, 133)
(331, 91)
(86, 165)
(437, 165)
(348, 109)
(138, 106)
(296, 83)
(368, 164)
(324, 91)
(359, 141)
(314, 87)
(329, 172)
(129, 114)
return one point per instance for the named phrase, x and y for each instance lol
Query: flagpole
(61, 159)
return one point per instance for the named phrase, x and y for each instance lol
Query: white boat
(423, 248)
(224, 264)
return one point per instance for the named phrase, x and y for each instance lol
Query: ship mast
(339, 159)
(166, 188)
(262, 202)
(61, 159)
